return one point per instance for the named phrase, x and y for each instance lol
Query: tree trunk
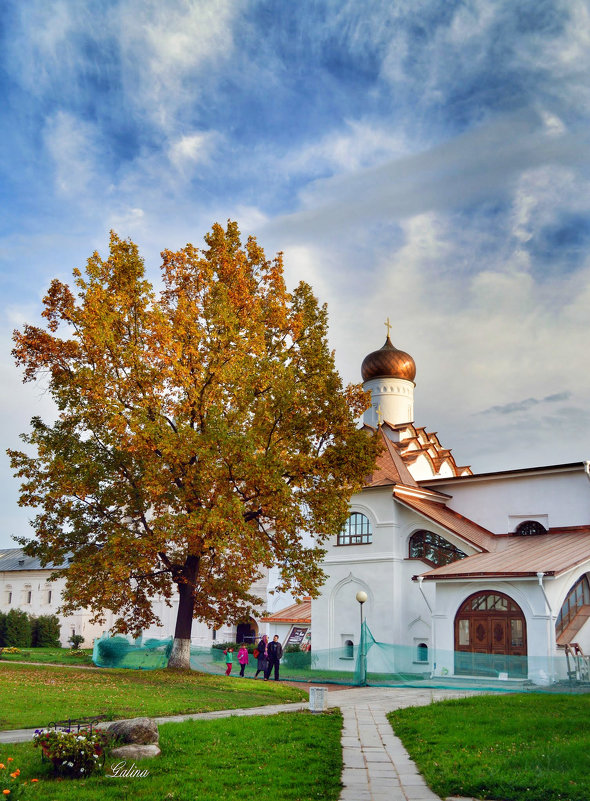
(180, 656)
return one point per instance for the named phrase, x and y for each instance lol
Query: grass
(54, 656)
(44, 693)
(516, 748)
(288, 757)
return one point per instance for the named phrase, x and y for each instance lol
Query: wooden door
(490, 636)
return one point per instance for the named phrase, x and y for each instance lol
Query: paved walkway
(376, 766)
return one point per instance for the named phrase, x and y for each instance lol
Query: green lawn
(41, 694)
(55, 656)
(532, 747)
(288, 757)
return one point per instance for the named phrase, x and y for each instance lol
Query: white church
(465, 574)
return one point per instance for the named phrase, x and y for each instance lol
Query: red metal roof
(296, 613)
(551, 554)
(390, 468)
(449, 519)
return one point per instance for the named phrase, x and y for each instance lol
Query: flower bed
(73, 754)
(11, 786)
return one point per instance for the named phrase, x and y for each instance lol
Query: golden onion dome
(388, 362)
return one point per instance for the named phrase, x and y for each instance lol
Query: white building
(465, 574)
(25, 585)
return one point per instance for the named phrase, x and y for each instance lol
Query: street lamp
(361, 597)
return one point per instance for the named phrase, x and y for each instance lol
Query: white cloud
(166, 47)
(72, 145)
(193, 149)
(358, 144)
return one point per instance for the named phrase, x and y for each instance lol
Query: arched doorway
(490, 636)
(247, 632)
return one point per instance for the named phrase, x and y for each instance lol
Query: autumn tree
(201, 433)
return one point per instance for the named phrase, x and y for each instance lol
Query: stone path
(376, 766)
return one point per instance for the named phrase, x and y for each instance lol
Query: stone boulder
(138, 731)
(135, 751)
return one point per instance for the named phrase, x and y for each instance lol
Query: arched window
(577, 597)
(529, 528)
(349, 649)
(433, 548)
(356, 531)
(422, 652)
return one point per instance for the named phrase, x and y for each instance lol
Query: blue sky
(422, 161)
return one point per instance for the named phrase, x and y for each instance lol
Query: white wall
(561, 498)
(36, 582)
(21, 582)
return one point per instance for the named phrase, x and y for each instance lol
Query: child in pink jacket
(243, 658)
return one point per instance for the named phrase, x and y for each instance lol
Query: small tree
(202, 435)
(46, 631)
(17, 631)
(2, 629)
(76, 641)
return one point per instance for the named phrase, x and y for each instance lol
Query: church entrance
(247, 632)
(490, 637)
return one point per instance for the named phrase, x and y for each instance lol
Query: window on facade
(578, 596)
(422, 652)
(349, 649)
(433, 548)
(8, 596)
(356, 531)
(530, 527)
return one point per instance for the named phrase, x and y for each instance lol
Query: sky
(417, 160)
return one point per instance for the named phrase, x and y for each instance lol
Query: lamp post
(361, 597)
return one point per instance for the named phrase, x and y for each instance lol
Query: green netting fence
(373, 663)
(139, 654)
(378, 664)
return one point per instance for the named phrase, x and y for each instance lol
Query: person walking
(229, 660)
(243, 658)
(262, 656)
(275, 654)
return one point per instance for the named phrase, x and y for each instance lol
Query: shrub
(73, 754)
(17, 630)
(76, 640)
(2, 628)
(46, 631)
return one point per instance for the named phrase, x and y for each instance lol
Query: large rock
(134, 751)
(142, 731)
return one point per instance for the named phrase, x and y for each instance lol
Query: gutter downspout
(432, 626)
(550, 624)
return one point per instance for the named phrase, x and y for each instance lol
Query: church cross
(379, 414)
(388, 326)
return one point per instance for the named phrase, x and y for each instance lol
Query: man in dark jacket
(275, 653)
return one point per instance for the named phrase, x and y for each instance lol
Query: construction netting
(138, 654)
(374, 663)
(384, 664)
